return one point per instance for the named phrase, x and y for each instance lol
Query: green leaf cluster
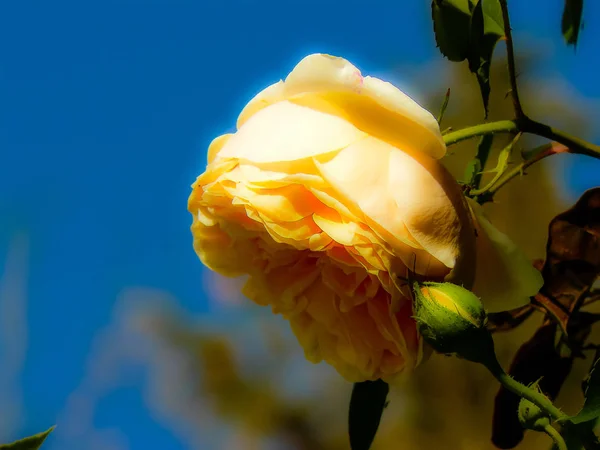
(469, 30)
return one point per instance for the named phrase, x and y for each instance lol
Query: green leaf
(29, 443)
(366, 407)
(486, 29)
(503, 159)
(580, 436)
(591, 406)
(493, 23)
(475, 166)
(451, 20)
(571, 21)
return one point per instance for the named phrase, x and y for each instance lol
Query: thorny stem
(501, 126)
(521, 123)
(524, 391)
(525, 125)
(510, 54)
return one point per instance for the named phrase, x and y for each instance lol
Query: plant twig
(525, 125)
(510, 54)
(525, 391)
(501, 126)
(575, 144)
(593, 297)
(538, 154)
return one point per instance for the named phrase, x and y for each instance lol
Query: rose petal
(435, 211)
(373, 105)
(215, 147)
(359, 174)
(264, 98)
(333, 85)
(288, 132)
(401, 196)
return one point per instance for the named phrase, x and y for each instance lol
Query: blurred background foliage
(276, 400)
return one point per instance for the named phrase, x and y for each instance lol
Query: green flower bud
(531, 416)
(452, 320)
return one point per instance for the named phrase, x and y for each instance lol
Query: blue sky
(106, 109)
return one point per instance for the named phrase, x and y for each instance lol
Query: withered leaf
(572, 258)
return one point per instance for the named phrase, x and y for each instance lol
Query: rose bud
(452, 320)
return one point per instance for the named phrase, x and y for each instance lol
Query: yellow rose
(329, 191)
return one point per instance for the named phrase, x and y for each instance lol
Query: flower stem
(575, 144)
(525, 125)
(556, 437)
(501, 126)
(523, 391)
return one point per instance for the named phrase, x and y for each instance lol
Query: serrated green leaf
(571, 21)
(486, 29)
(451, 20)
(493, 22)
(591, 406)
(29, 443)
(366, 407)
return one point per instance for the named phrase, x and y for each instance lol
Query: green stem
(502, 126)
(575, 144)
(537, 154)
(523, 391)
(556, 437)
(525, 125)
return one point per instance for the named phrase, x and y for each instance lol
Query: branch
(525, 125)
(512, 71)
(553, 148)
(501, 126)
